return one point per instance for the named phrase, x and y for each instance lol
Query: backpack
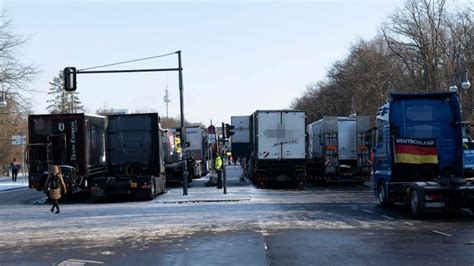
(54, 182)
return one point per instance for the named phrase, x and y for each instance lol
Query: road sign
(18, 140)
(211, 139)
(211, 129)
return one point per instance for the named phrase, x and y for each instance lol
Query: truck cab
(418, 153)
(468, 150)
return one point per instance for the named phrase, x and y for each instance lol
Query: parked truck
(468, 150)
(173, 158)
(197, 151)
(240, 141)
(418, 153)
(134, 158)
(75, 142)
(337, 149)
(278, 140)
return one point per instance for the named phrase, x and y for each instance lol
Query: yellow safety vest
(218, 163)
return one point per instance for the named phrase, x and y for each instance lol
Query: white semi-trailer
(278, 143)
(337, 149)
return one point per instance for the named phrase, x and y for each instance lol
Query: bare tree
(416, 34)
(14, 78)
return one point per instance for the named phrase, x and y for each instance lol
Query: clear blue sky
(237, 56)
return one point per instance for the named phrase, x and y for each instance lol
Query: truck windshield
(430, 111)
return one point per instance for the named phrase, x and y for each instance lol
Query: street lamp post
(460, 77)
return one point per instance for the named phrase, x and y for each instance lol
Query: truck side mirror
(371, 138)
(368, 138)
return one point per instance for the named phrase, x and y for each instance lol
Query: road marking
(440, 233)
(367, 211)
(388, 217)
(408, 223)
(265, 245)
(70, 262)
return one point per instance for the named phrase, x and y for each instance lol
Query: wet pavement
(334, 225)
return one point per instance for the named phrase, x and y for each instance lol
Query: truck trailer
(278, 141)
(75, 142)
(418, 154)
(134, 158)
(337, 151)
(240, 141)
(197, 151)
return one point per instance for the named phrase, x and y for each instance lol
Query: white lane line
(70, 262)
(367, 211)
(388, 217)
(440, 233)
(408, 223)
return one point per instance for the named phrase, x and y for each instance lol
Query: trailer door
(346, 134)
(294, 139)
(270, 135)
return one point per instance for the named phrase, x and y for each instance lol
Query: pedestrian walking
(218, 168)
(15, 167)
(55, 184)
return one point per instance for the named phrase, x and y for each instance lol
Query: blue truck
(418, 156)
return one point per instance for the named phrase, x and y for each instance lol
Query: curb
(203, 201)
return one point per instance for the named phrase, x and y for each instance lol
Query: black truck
(75, 142)
(134, 158)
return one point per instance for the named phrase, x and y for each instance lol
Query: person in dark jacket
(15, 166)
(55, 184)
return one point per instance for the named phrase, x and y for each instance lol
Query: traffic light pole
(223, 165)
(183, 128)
(70, 85)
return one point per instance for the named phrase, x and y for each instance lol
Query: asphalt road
(332, 225)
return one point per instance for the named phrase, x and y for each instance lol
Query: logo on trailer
(61, 126)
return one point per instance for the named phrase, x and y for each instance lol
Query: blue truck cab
(418, 156)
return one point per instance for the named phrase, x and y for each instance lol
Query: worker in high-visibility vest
(218, 168)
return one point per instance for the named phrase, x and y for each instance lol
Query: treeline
(421, 47)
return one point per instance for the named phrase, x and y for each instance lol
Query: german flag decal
(415, 151)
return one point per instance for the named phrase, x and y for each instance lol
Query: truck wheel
(300, 185)
(152, 190)
(416, 205)
(382, 195)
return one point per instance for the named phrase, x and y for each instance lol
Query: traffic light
(229, 130)
(69, 75)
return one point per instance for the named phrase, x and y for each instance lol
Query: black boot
(57, 211)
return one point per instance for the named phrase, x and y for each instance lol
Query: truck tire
(151, 196)
(382, 195)
(416, 204)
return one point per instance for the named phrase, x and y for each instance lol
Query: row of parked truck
(112, 156)
(418, 152)
(279, 146)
